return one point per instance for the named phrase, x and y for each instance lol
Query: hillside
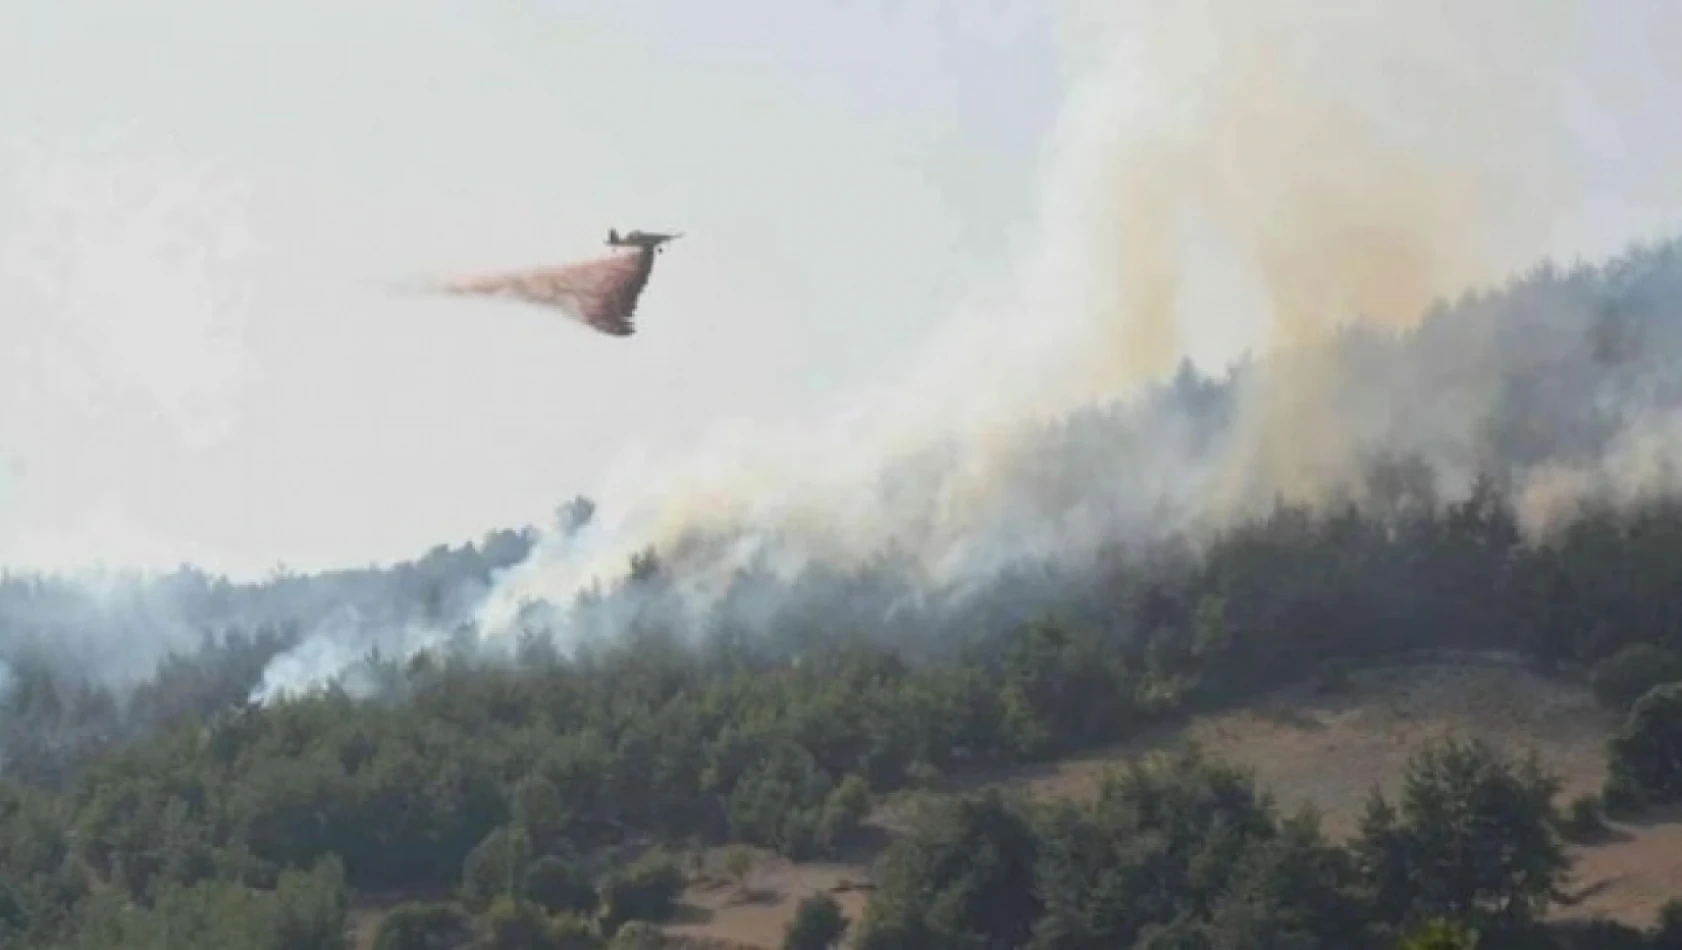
(1329, 750)
(1306, 744)
(435, 788)
(356, 752)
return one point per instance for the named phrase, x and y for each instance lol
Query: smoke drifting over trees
(1577, 413)
(1362, 227)
(1054, 535)
(1055, 434)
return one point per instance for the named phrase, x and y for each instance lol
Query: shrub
(1667, 930)
(1627, 675)
(638, 935)
(553, 883)
(417, 925)
(487, 873)
(646, 890)
(514, 925)
(1439, 934)
(1644, 765)
(817, 925)
(1584, 819)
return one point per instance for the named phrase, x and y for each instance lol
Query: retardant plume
(602, 293)
(1349, 166)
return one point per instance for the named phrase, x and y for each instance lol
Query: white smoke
(1341, 163)
(1228, 175)
(343, 646)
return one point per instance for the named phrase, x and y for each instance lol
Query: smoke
(349, 639)
(334, 649)
(1272, 171)
(1324, 197)
(160, 647)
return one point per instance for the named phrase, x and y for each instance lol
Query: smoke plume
(1336, 172)
(1346, 200)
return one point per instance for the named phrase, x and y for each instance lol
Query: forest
(550, 795)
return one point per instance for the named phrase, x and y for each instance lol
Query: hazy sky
(209, 212)
(205, 208)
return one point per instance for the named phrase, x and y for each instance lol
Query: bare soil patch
(755, 911)
(1331, 749)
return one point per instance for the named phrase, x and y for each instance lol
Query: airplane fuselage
(643, 239)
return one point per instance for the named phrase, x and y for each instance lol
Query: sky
(209, 212)
(213, 216)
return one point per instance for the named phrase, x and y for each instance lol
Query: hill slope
(1306, 744)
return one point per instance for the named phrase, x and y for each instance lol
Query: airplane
(644, 239)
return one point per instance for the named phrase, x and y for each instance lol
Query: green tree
(647, 890)
(312, 908)
(1381, 854)
(1584, 819)
(738, 863)
(1177, 848)
(817, 925)
(540, 811)
(573, 932)
(423, 926)
(304, 911)
(515, 925)
(963, 878)
(558, 887)
(1645, 766)
(492, 868)
(1627, 675)
(1440, 934)
(844, 811)
(638, 935)
(1475, 835)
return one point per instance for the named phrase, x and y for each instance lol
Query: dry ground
(1325, 748)
(1330, 749)
(754, 912)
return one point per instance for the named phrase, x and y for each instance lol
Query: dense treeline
(653, 742)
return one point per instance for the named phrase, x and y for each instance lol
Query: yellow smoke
(1363, 158)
